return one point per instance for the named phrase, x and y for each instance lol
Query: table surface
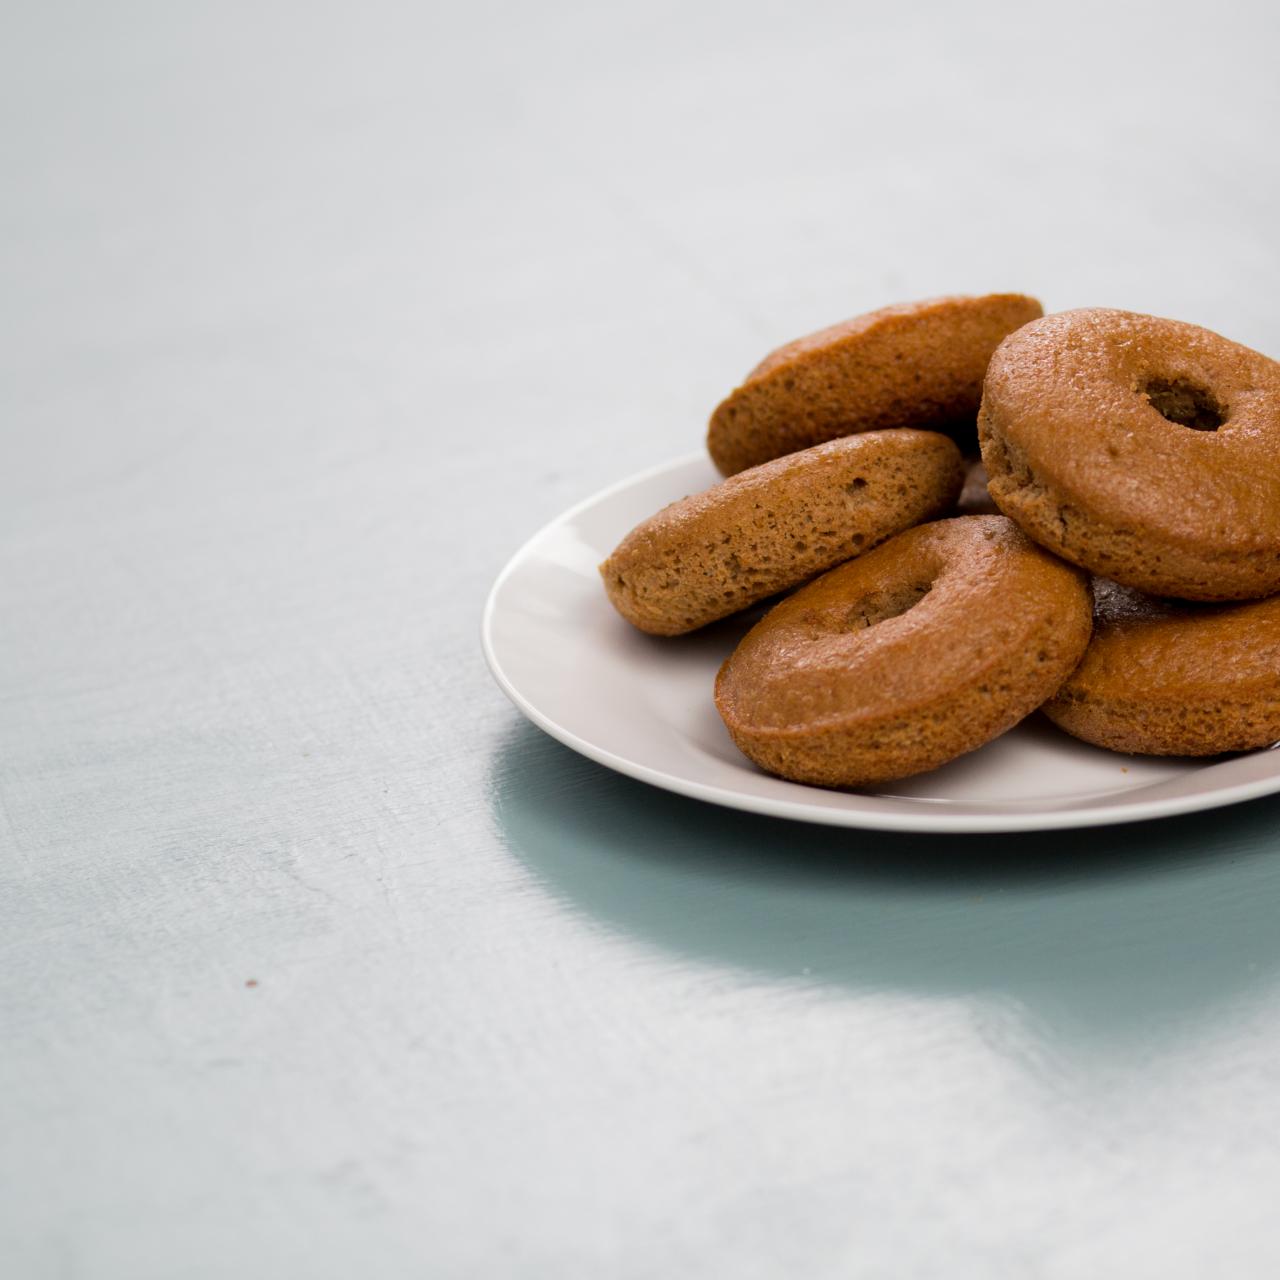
(318, 960)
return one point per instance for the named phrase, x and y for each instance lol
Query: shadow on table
(1126, 933)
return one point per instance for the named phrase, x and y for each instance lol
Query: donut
(777, 525)
(895, 663)
(1163, 677)
(1145, 450)
(919, 364)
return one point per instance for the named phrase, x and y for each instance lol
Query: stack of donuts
(1113, 557)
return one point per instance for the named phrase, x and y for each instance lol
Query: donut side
(1145, 450)
(914, 365)
(1166, 678)
(894, 664)
(769, 528)
(1138, 555)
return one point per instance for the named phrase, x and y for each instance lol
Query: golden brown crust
(777, 525)
(897, 662)
(918, 364)
(1166, 678)
(1081, 456)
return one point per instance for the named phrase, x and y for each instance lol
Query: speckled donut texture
(919, 364)
(1164, 677)
(895, 663)
(1099, 430)
(777, 525)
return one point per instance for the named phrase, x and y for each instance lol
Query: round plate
(643, 705)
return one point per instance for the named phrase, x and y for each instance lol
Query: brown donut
(897, 662)
(1146, 450)
(919, 364)
(777, 525)
(1166, 678)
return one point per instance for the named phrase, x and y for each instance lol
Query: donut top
(898, 318)
(1148, 424)
(1143, 646)
(776, 525)
(935, 608)
(917, 364)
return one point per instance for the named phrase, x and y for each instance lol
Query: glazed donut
(1145, 450)
(899, 661)
(777, 525)
(1166, 678)
(915, 365)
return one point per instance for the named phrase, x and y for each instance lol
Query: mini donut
(1165, 678)
(919, 364)
(895, 663)
(777, 525)
(1145, 450)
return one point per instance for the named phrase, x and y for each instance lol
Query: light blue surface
(1119, 942)
(318, 961)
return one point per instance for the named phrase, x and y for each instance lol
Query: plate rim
(928, 820)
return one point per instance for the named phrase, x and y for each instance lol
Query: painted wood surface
(318, 961)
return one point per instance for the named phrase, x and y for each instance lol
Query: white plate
(643, 706)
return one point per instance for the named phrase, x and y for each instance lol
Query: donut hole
(880, 606)
(1185, 403)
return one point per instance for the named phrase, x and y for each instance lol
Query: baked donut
(1166, 678)
(899, 661)
(1145, 450)
(915, 365)
(777, 525)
